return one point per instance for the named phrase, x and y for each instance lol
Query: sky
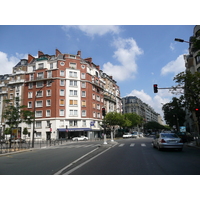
(137, 56)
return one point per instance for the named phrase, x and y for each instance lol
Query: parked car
(80, 138)
(127, 135)
(19, 140)
(185, 136)
(141, 134)
(167, 141)
(135, 134)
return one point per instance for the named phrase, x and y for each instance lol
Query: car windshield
(169, 135)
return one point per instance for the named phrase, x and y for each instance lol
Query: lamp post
(181, 40)
(51, 81)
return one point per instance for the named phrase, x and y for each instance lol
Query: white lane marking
(143, 145)
(132, 145)
(121, 145)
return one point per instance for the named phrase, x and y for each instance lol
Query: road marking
(143, 145)
(121, 145)
(132, 145)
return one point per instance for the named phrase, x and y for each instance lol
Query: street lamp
(51, 81)
(181, 40)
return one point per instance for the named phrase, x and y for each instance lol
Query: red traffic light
(155, 88)
(196, 109)
(104, 112)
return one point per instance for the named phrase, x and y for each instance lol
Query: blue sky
(137, 56)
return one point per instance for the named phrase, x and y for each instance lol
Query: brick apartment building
(66, 93)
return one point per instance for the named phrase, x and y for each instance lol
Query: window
(48, 93)
(72, 83)
(38, 103)
(40, 75)
(39, 93)
(38, 113)
(73, 74)
(49, 74)
(72, 65)
(30, 94)
(30, 85)
(197, 58)
(94, 114)
(29, 104)
(83, 94)
(41, 66)
(73, 93)
(94, 105)
(51, 65)
(61, 112)
(83, 85)
(82, 75)
(84, 123)
(31, 77)
(73, 123)
(11, 96)
(98, 106)
(49, 83)
(61, 123)
(98, 115)
(62, 92)
(62, 83)
(73, 113)
(38, 124)
(83, 103)
(48, 113)
(93, 96)
(39, 84)
(73, 102)
(83, 113)
(62, 73)
(98, 98)
(62, 102)
(38, 134)
(48, 102)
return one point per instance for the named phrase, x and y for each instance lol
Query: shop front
(72, 132)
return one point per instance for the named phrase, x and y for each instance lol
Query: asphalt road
(138, 157)
(126, 157)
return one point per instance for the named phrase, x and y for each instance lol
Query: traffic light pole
(104, 133)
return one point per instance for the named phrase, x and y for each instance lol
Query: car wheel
(153, 145)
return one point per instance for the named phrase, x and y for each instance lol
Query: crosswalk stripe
(143, 145)
(121, 145)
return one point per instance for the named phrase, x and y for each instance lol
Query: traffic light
(197, 112)
(155, 88)
(104, 112)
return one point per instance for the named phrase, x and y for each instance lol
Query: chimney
(40, 53)
(88, 60)
(57, 52)
(30, 58)
(79, 53)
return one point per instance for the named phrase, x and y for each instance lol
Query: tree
(155, 126)
(191, 84)
(174, 112)
(134, 118)
(14, 115)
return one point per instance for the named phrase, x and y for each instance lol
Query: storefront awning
(74, 129)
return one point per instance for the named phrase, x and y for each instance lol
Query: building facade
(132, 104)
(192, 64)
(65, 92)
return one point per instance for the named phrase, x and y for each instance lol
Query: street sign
(92, 123)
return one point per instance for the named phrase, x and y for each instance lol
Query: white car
(80, 138)
(127, 135)
(135, 134)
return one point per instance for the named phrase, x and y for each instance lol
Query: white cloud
(156, 102)
(92, 30)
(126, 54)
(7, 63)
(175, 66)
(172, 47)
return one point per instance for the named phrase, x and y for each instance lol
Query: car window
(172, 135)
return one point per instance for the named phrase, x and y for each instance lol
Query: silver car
(167, 141)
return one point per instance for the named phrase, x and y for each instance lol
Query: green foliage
(15, 115)
(8, 131)
(174, 112)
(25, 131)
(134, 119)
(153, 125)
(191, 83)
